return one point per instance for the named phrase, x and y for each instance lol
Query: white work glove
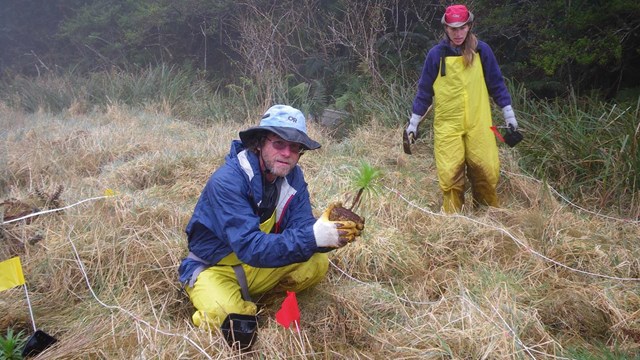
(412, 128)
(333, 234)
(510, 117)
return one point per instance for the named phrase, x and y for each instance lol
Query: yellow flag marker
(109, 192)
(11, 274)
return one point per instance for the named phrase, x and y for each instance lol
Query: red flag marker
(289, 311)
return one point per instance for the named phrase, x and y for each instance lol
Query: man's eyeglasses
(281, 145)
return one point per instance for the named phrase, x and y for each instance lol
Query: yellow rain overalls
(217, 293)
(463, 140)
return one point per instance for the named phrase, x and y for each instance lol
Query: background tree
(28, 35)
(130, 32)
(583, 45)
(335, 47)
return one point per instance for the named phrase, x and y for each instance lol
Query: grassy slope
(417, 285)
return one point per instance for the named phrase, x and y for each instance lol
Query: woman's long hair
(468, 47)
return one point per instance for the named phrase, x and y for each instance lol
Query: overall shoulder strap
(242, 280)
(443, 62)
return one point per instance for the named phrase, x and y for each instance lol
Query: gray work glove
(412, 128)
(510, 117)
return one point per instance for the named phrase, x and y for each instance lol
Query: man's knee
(212, 317)
(308, 274)
(215, 294)
(321, 263)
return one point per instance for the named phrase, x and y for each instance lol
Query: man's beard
(277, 169)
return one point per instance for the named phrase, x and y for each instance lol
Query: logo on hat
(284, 116)
(285, 121)
(456, 16)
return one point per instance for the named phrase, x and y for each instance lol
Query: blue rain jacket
(225, 218)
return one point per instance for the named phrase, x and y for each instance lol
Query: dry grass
(529, 280)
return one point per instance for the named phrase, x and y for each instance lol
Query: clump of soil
(340, 213)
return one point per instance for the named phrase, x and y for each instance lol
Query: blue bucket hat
(285, 121)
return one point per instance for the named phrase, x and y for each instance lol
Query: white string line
(125, 311)
(112, 307)
(384, 290)
(527, 349)
(54, 210)
(339, 269)
(573, 204)
(506, 232)
(513, 333)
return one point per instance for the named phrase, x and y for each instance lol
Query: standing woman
(458, 76)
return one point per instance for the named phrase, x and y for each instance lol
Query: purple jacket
(492, 76)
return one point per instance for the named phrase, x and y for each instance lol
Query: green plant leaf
(366, 180)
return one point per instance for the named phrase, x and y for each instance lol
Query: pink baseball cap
(456, 16)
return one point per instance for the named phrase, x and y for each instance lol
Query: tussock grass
(587, 147)
(158, 89)
(488, 283)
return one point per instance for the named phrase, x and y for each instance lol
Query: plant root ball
(339, 213)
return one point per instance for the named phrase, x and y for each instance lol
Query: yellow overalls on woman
(458, 76)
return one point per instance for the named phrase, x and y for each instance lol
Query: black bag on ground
(37, 343)
(240, 330)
